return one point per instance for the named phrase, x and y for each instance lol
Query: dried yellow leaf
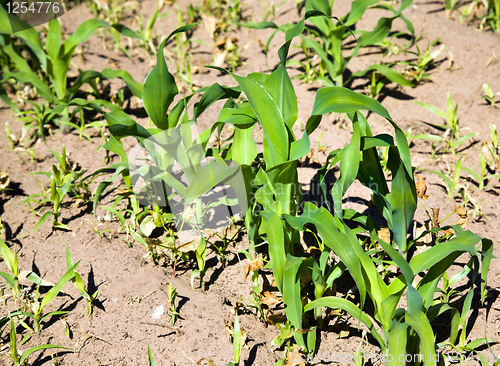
(435, 217)
(421, 187)
(254, 265)
(269, 299)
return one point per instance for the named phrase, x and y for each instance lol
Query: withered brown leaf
(254, 265)
(421, 187)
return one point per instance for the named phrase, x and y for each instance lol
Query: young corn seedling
(37, 306)
(451, 138)
(481, 178)
(79, 284)
(327, 36)
(489, 95)
(237, 341)
(151, 359)
(172, 295)
(451, 180)
(22, 360)
(147, 40)
(54, 58)
(417, 71)
(12, 278)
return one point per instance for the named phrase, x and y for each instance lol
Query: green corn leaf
(236, 340)
(10, 280)
(267, 112)
(291, 295)
(343, 100)
(403, 199)
(44, 218)
(25, 32)
(271, 224)
(126, 31)
(151, 359)
(33, 79)
(160, 88)
(353, 310)
(10, 258)
(208, 176)
(243, 150)
(82, 33)
(54, 291)
(159, 91)
(280, 88)
(53, 43)
(397, 343)
(13, 340)
(349, 165)
(135, 87)
(300, 148)
(463, 242)
(26, 354)
(213, 93)
(334, 239)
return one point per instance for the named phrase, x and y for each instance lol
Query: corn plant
(64, 180)
(79, 284)
(326, 39)
(144, 34)
(489, 95)
(151, 359)
(171, 141)
(37, 306)
(417, 71)
(54, 59)
(172, 295)
(22, 360)
(236, 341)
(451, 138)
(481, 178)
(275, 213)
(450, 179)
(12, 278)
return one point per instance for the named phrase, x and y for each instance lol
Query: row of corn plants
(276, 214)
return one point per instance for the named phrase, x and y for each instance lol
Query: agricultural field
(254, 182)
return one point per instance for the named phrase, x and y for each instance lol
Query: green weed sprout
(79, 284)
(144, 34)
(22, 360)
(451, 137)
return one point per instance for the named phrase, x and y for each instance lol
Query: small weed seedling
(451, 138)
